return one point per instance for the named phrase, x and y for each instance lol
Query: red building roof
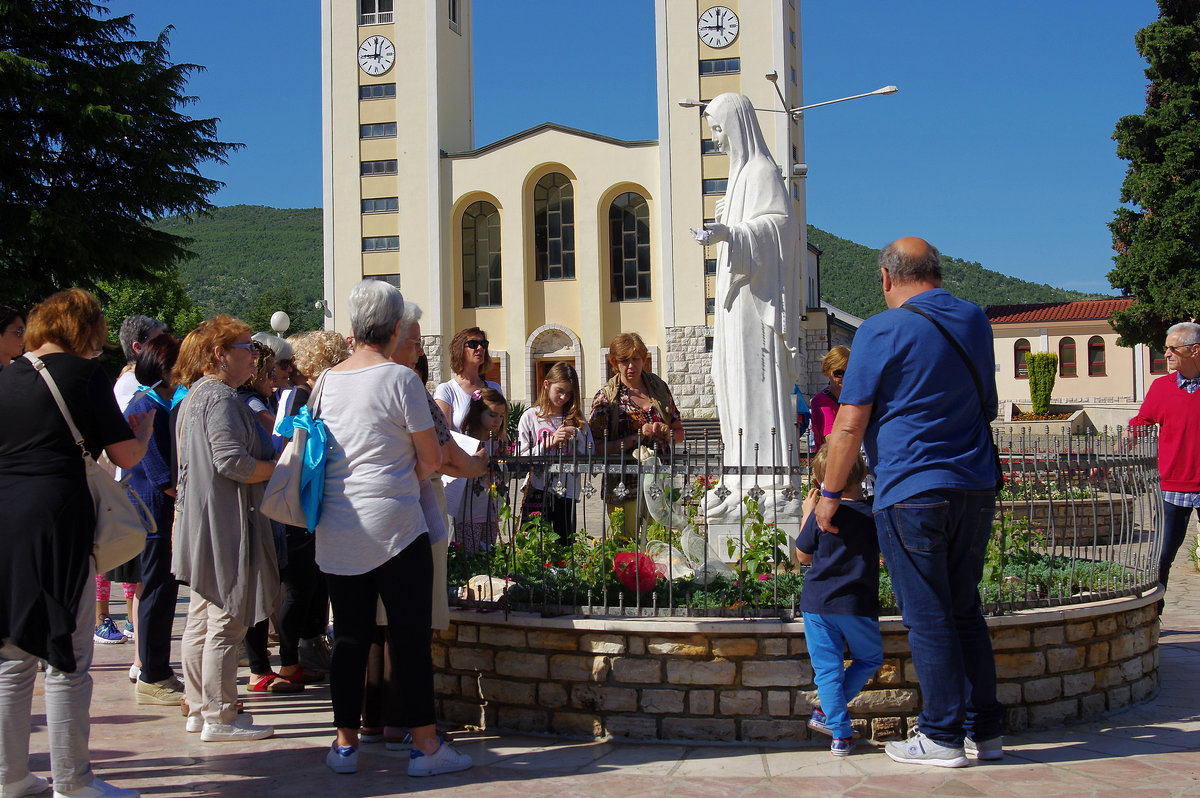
(1081, 310)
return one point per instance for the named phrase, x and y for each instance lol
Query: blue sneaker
(818, 723)
(128, 630)
(108, 633)
(842, 746)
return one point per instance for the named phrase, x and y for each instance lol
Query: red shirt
(1177, 414)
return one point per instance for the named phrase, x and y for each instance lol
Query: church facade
(553, 240)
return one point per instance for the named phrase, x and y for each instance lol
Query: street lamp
(797, 113)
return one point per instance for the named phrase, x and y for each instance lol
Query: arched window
(1095, 356)
(1020, 350)
(554, 227)
(629, 243)
(1066, 358)
(481, 255)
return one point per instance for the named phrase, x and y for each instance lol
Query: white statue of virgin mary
(756, 360)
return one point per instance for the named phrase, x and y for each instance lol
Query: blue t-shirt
(925, 431)
(844, 577)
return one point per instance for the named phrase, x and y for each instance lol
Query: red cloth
(1177, 414)
(824, 411)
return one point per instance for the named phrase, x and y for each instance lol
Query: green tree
(303, 319)
(1043, 368)
(160, 297)
(1157, 237)
(94, 146)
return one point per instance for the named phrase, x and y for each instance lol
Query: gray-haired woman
(372, 539)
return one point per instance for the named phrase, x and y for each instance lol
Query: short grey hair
(904, 268)
(1189, 332)
(412, 315)
(375, 308)
(137, 329)
(279, 347)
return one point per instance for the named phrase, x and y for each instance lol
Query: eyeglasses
(250, 347)
(1181, 350)
(839, 373)
(475, 343)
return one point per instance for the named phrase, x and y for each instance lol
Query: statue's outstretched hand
(717, 232)
(700, 234)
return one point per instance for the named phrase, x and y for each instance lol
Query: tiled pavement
(1151, 749)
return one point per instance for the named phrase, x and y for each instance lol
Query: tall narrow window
(481, 255)
(1066, 358)
(1095, 356)
(1020, 350)
(554, 227)
(629, 243)
(1158, 362)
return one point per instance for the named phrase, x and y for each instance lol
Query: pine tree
(94, 146)
(1157, 240)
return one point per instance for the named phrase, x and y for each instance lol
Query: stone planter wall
(751, 681)
(1093, 519)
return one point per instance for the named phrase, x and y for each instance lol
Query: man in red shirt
(1173, 403)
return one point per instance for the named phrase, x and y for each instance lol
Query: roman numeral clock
(718, 27)
(376, 55)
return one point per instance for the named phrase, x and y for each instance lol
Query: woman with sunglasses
(825, 404)
(469, 360)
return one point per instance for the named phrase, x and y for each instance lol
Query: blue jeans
(826, 636)
(1175, 522)
(934, 545)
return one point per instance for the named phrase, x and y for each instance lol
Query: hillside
(252, 260)
(850, 279)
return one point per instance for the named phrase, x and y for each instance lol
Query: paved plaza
(1151, 749)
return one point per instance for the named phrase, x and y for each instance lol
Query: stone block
(603, 698)
(578, 668)
(659, 702)
(1009, 637)
(501, 636)
(773, 647)
(445, 684)
(468, 633)
(575, 724)
(701, 702)
(1150, 661)
(1076, 683)
(637, 671)
(1020, 665)
(518, 663)
(1108, 677)
(774, 730)
(734, 647)
(1131, 669)
(1119, 697)
(779, 703)
(472, 659)
(602, 644)
(438, 654)
(523, 720)
(888, 673)
(702, 729)
(895, 644)
(1097, 654)
(463, 713)
(1048, 636)
(1141, 640)
(469, 686)
(1008, 693)
(1079, 630)
(775, 673)
(889, 728)
(552, 641)
(1106, 626)
(1067, 658)
(797, 647)
(1092, 705)
(1043, 689)
(740, 702)
(880, 701)
(1121, 646)
(910, 672)
(717, 671)
(1016, 719)
(552, 695)
(1143, 688)
(502, 691)
(637, 645)
(690, 646)
(631, 727)
(1054, 713)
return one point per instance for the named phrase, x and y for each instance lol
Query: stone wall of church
(688, 370)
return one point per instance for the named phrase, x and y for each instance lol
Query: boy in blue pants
(840, 604)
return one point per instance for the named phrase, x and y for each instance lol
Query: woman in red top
(825, 404)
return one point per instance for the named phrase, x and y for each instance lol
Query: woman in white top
(469, 360)
(372, 538)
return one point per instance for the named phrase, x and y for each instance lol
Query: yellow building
(552, 240)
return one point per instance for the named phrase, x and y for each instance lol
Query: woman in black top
(46, 603)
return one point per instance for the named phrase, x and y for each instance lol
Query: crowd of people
(194, 424)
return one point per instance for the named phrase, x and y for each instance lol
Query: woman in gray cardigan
(223, 545)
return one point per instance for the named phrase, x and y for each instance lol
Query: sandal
(303, 675)
(273, 683)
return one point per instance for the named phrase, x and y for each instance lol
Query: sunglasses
(475, 343)
(840, 373)
(1181, 350)
(250, 347)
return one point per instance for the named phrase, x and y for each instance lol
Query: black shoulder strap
(961, 353)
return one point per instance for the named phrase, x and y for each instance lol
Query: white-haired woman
(372, 539)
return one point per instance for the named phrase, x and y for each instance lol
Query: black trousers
(405, 584)
(156, 612)
(304, 598)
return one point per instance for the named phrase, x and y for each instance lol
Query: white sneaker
(990, 749)
(134, 673)
(443, 760)
(30, 785)
(195, 723)
(240, 729)
(342, 758)
(99, 788)
(921, 750)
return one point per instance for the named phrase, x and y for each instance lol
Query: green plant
(763, 546)
(1042, 369)
(1013, 541)
(515, 411)
(1194, 552)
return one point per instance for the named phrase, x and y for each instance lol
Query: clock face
(376, 55)
(718, 27)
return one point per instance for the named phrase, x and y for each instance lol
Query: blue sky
(997, 148)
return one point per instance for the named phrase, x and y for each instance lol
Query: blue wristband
(831, 494)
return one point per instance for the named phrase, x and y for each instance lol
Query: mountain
(252, 260)
(850, 279)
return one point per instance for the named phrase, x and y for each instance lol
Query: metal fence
(1078, 521)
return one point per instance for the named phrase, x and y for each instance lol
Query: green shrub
(1042, 366)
